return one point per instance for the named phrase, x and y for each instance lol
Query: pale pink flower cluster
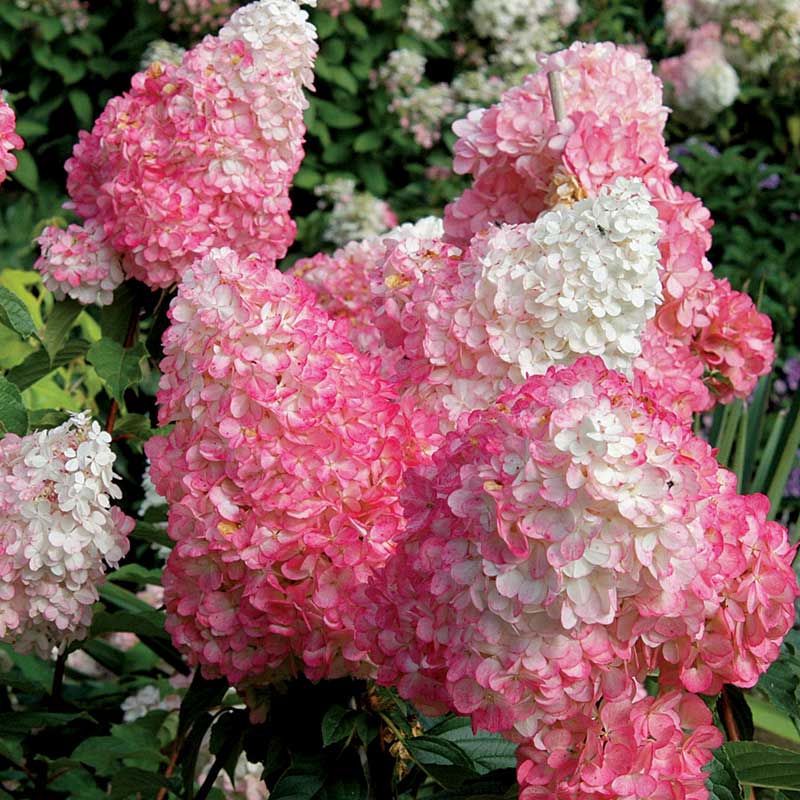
(58, 531)
(197, 16)
(755, 34)
(354, 215)
(79, 263)
(562, 544)
(706, 340)
(9, 139)
(282, 473)
(700, 83)
(202, 154)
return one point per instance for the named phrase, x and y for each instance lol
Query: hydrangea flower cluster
(72, 14)
(79, 263)
(561, 544)
(437, 455)
(202, 154)
(424, 18)
(354, 215)
(161, 50)
(282, 473)
(58, 531)
(197, 16)
(9, 139)
(705, 341)
(518, 29)
(756, 34)
(623, 749)
(700, 83)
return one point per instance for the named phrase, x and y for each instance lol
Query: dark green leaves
(722, 783)
(117, 367)
(14, 314)
(61, 319)
(758, 764)
(13, 414)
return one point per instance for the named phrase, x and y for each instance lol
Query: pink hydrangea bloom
(700, 82)
(513, 148)
(78, 262)
(524, 162)
(548, 536)
(748, 594)
(641, 748)
(58, 531)
(202, 154)
(9, 139)
(282, 473)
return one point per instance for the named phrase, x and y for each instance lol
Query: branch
(557, 95)
(130, 337)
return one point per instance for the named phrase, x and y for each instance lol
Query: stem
(173, 761)
(58, 681)
(729, 723)
(557, 95)
(219, 762)
(130, 336)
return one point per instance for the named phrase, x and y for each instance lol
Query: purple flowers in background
(772, 181)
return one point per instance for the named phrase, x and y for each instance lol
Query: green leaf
(143, 623)
(335, 116)
(136, 573)
(342, 77)
(117, 367)
(301, 781)
(190, 751)
(355, 25)
(26, 172)
(324, 23)
(487, 751)
(14, 314)
(722, 783)
(134, 781)
(337, 724)
(227, 739)
(13, 414)
(202, 696)
(59, 323)
(27, 721)
(50, 28)
(790, 444)
(758, 764)
(433, 750)
(39, 364)
(148, 532)
(368, 141)
(82, 106)
(104, 753)
(136, 426)
(115, 318)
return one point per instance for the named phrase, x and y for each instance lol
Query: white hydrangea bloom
(423, 18)
(518, 29)
(279, 37)
(354, 215)
(163, 51)
(147, 699)
(404, 69)
(58, 531)
(581, 279)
